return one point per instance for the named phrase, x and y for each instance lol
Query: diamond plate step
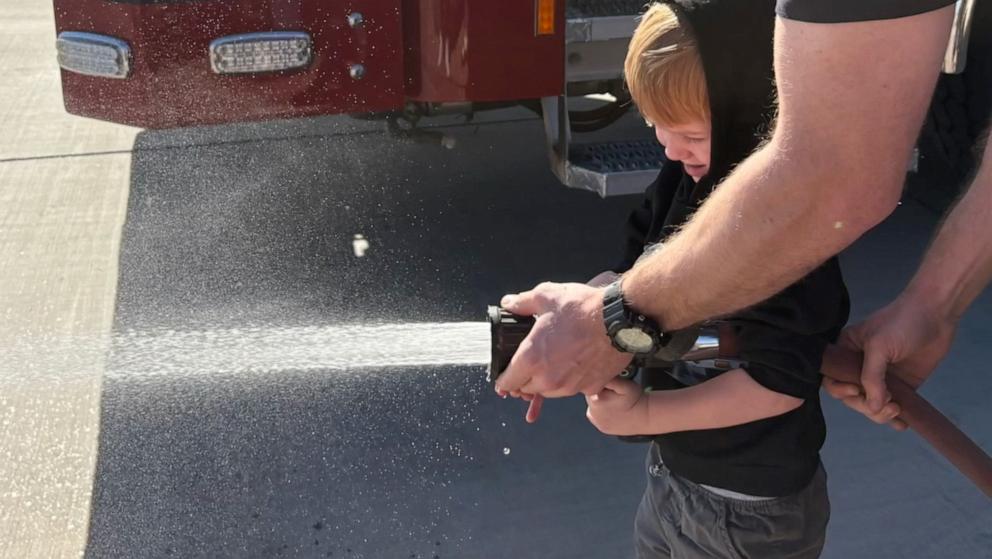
(593, 21)
(614, 168)
(603, 8)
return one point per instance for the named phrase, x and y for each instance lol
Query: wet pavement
(371, 462)
(108, 232)
(383, 462)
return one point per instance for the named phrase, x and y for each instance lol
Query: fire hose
(839, 363)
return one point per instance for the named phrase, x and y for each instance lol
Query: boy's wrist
(654, 412)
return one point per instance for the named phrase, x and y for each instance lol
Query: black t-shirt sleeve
(782, 362)
(784, 337)
(843, 11)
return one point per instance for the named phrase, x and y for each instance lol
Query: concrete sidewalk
(63, 192)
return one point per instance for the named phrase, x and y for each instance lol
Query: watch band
(614, 316)
(617, 316)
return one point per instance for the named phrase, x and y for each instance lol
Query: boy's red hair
(664, 72)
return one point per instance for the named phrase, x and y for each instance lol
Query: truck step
(594, 21)
(614, 168)
(603, 8)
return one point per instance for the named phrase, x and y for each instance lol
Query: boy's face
(689, 144)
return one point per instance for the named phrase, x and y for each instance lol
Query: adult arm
(852, 99)
(911, 335)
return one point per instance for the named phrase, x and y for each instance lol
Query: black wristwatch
(629, 330)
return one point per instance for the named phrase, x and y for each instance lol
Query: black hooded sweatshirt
(782, 338)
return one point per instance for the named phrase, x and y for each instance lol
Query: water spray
(353, 347)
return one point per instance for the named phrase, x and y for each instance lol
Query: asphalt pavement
(383, 462)
(107, 231)
(374, 462)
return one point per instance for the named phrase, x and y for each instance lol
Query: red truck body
(177, 63)
(410, 50)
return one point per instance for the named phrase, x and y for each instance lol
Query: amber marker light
(545, 17)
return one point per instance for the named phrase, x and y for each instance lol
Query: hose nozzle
(507, 330)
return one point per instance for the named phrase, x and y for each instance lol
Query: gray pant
(679, 519)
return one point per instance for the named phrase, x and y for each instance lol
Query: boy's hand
(621, 408)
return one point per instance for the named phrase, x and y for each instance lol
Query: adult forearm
(776, 218)
(958, 265)
(851, 100)
(733, 398)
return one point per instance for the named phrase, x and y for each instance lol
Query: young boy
(734, 467)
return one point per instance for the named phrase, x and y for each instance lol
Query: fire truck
(177, 63)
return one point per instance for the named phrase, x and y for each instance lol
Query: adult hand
(537, 402)
(908, 338)
(853, 397)
(621, 408)
(567, 351)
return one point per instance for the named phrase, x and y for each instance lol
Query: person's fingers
(530, 387)
(873, 370)
(898, 424)
(622, 386)
(591, 386)
(888, 412)
(603, 397)
(534, 409)
(522, 393)
(524, 365)
(527, 303)
(857, 403)
(840, 390)
(614, 391)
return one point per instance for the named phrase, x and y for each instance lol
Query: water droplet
(360, 245)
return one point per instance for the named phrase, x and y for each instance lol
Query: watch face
(634, 340)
